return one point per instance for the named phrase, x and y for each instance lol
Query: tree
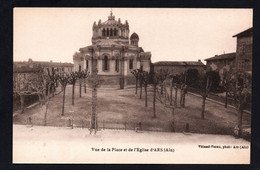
(52, 79)
(205, 84)
(145, 79)
(73, 76)
(241, 90)
(136, 74)
(82, 75)
(157, 77)
(63, 79)
(226, 83)
(40, 83)
(94, 81)
(192, 78)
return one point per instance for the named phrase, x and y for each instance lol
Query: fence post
(172, 126)
(30, 120)
(125, 125)
(140, 125)
(82, 123)
(69, 122)
(187, 128)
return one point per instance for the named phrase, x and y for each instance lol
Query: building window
(87, 64)
(117, 65)
(111, 32)
(62, 68)
(105, 63)
(131, 64)
(107, 32)
(141, 68)
(115, 32)
(103, 32)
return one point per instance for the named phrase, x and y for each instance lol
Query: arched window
(105, 63)
(131, 64)
(111, 32)
(107, 33)
(115, 32)
(117, 65)
(79, 67)
(103, 32)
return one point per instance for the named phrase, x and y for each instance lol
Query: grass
(124, 105)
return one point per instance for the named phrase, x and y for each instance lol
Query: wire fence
(167, 126)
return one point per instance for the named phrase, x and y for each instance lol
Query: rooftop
(246, 33)
(178, 63)
(34, 66)
(222, 57)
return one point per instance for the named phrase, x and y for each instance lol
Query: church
(112, 53)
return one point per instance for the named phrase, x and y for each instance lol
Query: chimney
(30, 60)
(199, 60)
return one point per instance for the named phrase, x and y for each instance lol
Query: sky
(170, 34)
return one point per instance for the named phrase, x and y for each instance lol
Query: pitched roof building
(177, 67)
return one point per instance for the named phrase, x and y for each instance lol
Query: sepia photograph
(132, 85)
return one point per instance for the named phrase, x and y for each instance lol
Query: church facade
(113, 53)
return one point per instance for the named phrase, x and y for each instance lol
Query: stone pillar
(125, 71)
(84, 64)
(90, 66)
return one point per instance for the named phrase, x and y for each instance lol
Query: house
(244, 50)
(178, 67)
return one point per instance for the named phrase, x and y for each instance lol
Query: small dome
(134, 36)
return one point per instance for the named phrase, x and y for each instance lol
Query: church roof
(134, 36)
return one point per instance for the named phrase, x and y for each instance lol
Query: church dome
(134, 36)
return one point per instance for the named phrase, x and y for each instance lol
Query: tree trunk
(85, 86)
(171, 94)
(141, 91)
(165, 96)
(136, 84)
(181, 95)
(203, 107)
(145, 89)
(40, 98)
(154, 101)
(73, 90)
(45, 113)
(183, 99)
(22, 103)
(80, 89)
(176, 94)
(63, 101)
(226, 99)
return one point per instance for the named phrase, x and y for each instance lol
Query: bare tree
(240, 92)
(157, 77)
(226, 83)
(73, 76)
(82, 75)
(145, 79)
(205, 84)
(136, 74)
(63, 79)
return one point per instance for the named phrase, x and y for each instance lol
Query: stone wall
(178, 69)
(244, 53)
